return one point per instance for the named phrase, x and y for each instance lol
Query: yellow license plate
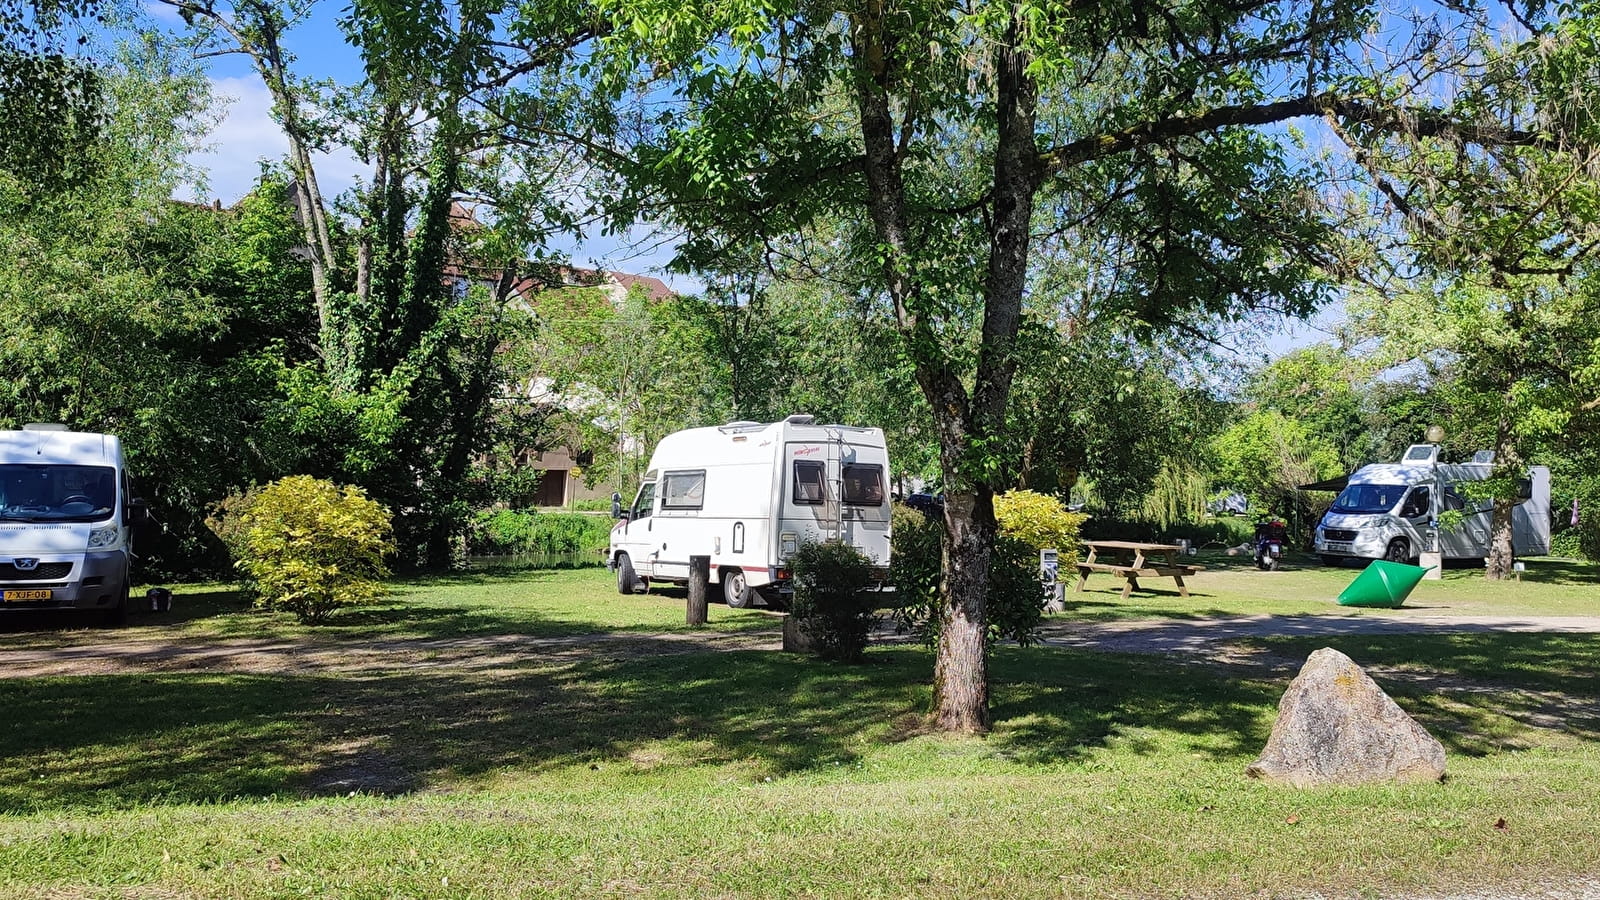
(18, 596)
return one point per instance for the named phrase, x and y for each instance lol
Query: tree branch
(1420, 122)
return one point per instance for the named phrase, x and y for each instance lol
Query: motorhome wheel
(1399, 551)
(627, 583)
(735, 591)
(117, 616)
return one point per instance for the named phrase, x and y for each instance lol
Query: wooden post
(699, 585)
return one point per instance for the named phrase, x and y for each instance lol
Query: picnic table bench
(1133, 560)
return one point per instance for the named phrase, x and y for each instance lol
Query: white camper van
(1390, 511)
(747, 495)
(65, 521)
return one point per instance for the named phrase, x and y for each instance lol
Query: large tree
(947, 130)
(415, 274)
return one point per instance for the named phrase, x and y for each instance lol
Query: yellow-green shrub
(311, 547)
(1041, 522)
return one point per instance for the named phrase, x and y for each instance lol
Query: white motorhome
(1391, 511)
(66, 517)
(748, 495)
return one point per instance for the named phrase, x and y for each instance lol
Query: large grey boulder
(1336, 726)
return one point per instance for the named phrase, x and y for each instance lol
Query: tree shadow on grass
(1478, 691)
(117, 741)
(1054, 706)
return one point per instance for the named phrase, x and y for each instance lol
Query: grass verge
(758, 774)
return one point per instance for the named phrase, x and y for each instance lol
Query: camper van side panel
(1530, 520)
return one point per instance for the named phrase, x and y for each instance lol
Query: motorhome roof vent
(740, 426)
(801, 419)
(1421, 455)
(44, 426)
(1484, 457)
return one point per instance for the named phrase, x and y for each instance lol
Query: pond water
(575, 560)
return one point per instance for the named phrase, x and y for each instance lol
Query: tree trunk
(963, 421)
(1507, 468)
(961, 670)
(1502, 554)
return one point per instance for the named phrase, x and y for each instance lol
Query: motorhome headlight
(102, 537)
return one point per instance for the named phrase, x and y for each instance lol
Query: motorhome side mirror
(616, 506)
(138, 511)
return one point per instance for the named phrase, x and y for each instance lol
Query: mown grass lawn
(538, 603)
(763, 774)
(1232, 585)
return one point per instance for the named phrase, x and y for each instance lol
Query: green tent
(1384, 584)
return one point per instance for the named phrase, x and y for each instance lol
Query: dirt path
(1198, 639)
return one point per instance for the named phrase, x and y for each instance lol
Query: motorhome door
(638, 537)
(1470, 538)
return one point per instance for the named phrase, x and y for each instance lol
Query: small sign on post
(699, 585)
(1049, 573)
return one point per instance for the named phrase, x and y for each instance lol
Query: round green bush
(831, 602)
(311, 547)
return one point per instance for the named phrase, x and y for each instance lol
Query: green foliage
(1213, 532)
(1180, 494)
(621, 375)
(916, 559)
(1323, 390)
(1040, 522)
(1015, 602)
(509, 531)
(1267, 456)
(831, 602)
(311, 547)
(1016, 596)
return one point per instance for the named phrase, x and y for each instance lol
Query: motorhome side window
(863, 485)
(809, 479)
(683, 490)
(645, 502)
(1416, 504)
(1453, 501)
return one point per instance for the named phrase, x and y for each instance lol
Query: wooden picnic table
(1130, 560)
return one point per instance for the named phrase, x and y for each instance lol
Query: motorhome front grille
(50, 571)
(1338, 534)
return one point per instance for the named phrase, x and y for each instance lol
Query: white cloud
(247, 135)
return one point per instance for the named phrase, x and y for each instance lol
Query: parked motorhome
(1391, 510)
(747, 495)
(66, 516)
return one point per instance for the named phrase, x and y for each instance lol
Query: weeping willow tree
(1178, 495)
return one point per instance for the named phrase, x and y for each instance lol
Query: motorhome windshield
(1368, 498)
(56, 493)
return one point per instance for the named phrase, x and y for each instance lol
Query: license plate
(1334, 546)
(20, 596)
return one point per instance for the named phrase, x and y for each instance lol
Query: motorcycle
(1271, 537)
